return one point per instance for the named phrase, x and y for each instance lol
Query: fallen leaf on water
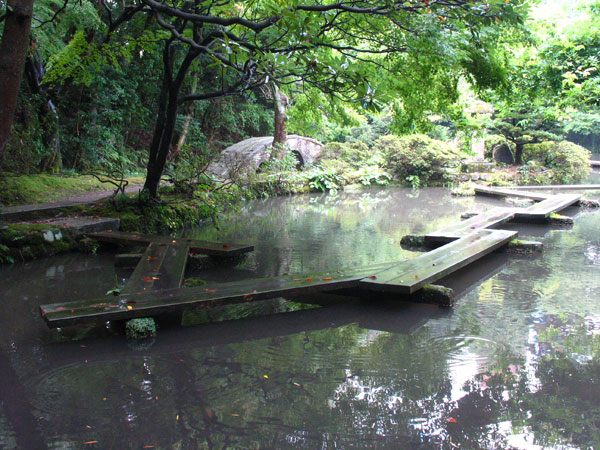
(451, 420)
(327, 279)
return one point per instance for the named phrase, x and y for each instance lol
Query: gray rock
(502, 154)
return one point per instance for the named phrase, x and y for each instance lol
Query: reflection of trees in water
(306, 233)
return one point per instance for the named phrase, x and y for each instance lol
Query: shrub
(418, 157)
(569, 162)
(356, 154)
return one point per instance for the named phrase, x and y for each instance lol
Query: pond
(515, 364)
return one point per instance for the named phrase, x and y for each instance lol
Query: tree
(13, 51)
(522, 127)
(348, 50)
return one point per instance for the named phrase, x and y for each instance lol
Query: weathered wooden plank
(203, 247)
(161, 267)
(146, 270)
(497, 192)
(594, 163)
(487, 219)
(539, 212)
(557, 187)
(151, 303)
(409, 276)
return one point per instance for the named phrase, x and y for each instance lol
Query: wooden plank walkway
(161, 267)
(556, 187)
(155, 286)
(202, 247)
(539, 212)
(502, 192)
(152, 303)
(487, 219)
(411, 275)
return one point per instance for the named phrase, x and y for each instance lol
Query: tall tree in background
(353, 51)
(13, 51)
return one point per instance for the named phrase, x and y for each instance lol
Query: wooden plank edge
(138, 310)
(225, 250)
(410, 288)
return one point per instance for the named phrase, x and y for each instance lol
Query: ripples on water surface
(513, 365)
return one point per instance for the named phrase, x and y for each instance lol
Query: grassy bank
(41, 188)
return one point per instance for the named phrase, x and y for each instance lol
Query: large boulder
(251, 153)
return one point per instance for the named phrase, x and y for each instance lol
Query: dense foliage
(418, 159)
(569, 162)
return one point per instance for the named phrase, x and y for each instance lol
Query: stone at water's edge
(519, 246)
(502, 154)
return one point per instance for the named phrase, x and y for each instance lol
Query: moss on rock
(140, 328)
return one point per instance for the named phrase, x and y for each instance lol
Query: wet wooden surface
(488, 219)
(202, 247)
(558, 187)
(498, 192)
(539, 212)
(151, 303)
(161, 267)
(409, 276)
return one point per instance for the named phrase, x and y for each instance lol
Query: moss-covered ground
(41, 188)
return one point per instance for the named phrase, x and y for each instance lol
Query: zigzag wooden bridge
(155, 288)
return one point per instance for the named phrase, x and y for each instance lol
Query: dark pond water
(515, 364)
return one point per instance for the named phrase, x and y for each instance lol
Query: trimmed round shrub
(569, 162)
(419, 156)
(354, 153)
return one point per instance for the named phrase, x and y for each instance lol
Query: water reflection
(514, 365)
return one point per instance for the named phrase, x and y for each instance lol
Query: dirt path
(22, 212)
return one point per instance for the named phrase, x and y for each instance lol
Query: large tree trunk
(280, 134)
(167, 116)
(519, 154)
(13, 51)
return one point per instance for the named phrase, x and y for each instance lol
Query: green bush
(418, 157)
(356, 154)
(569, 162)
